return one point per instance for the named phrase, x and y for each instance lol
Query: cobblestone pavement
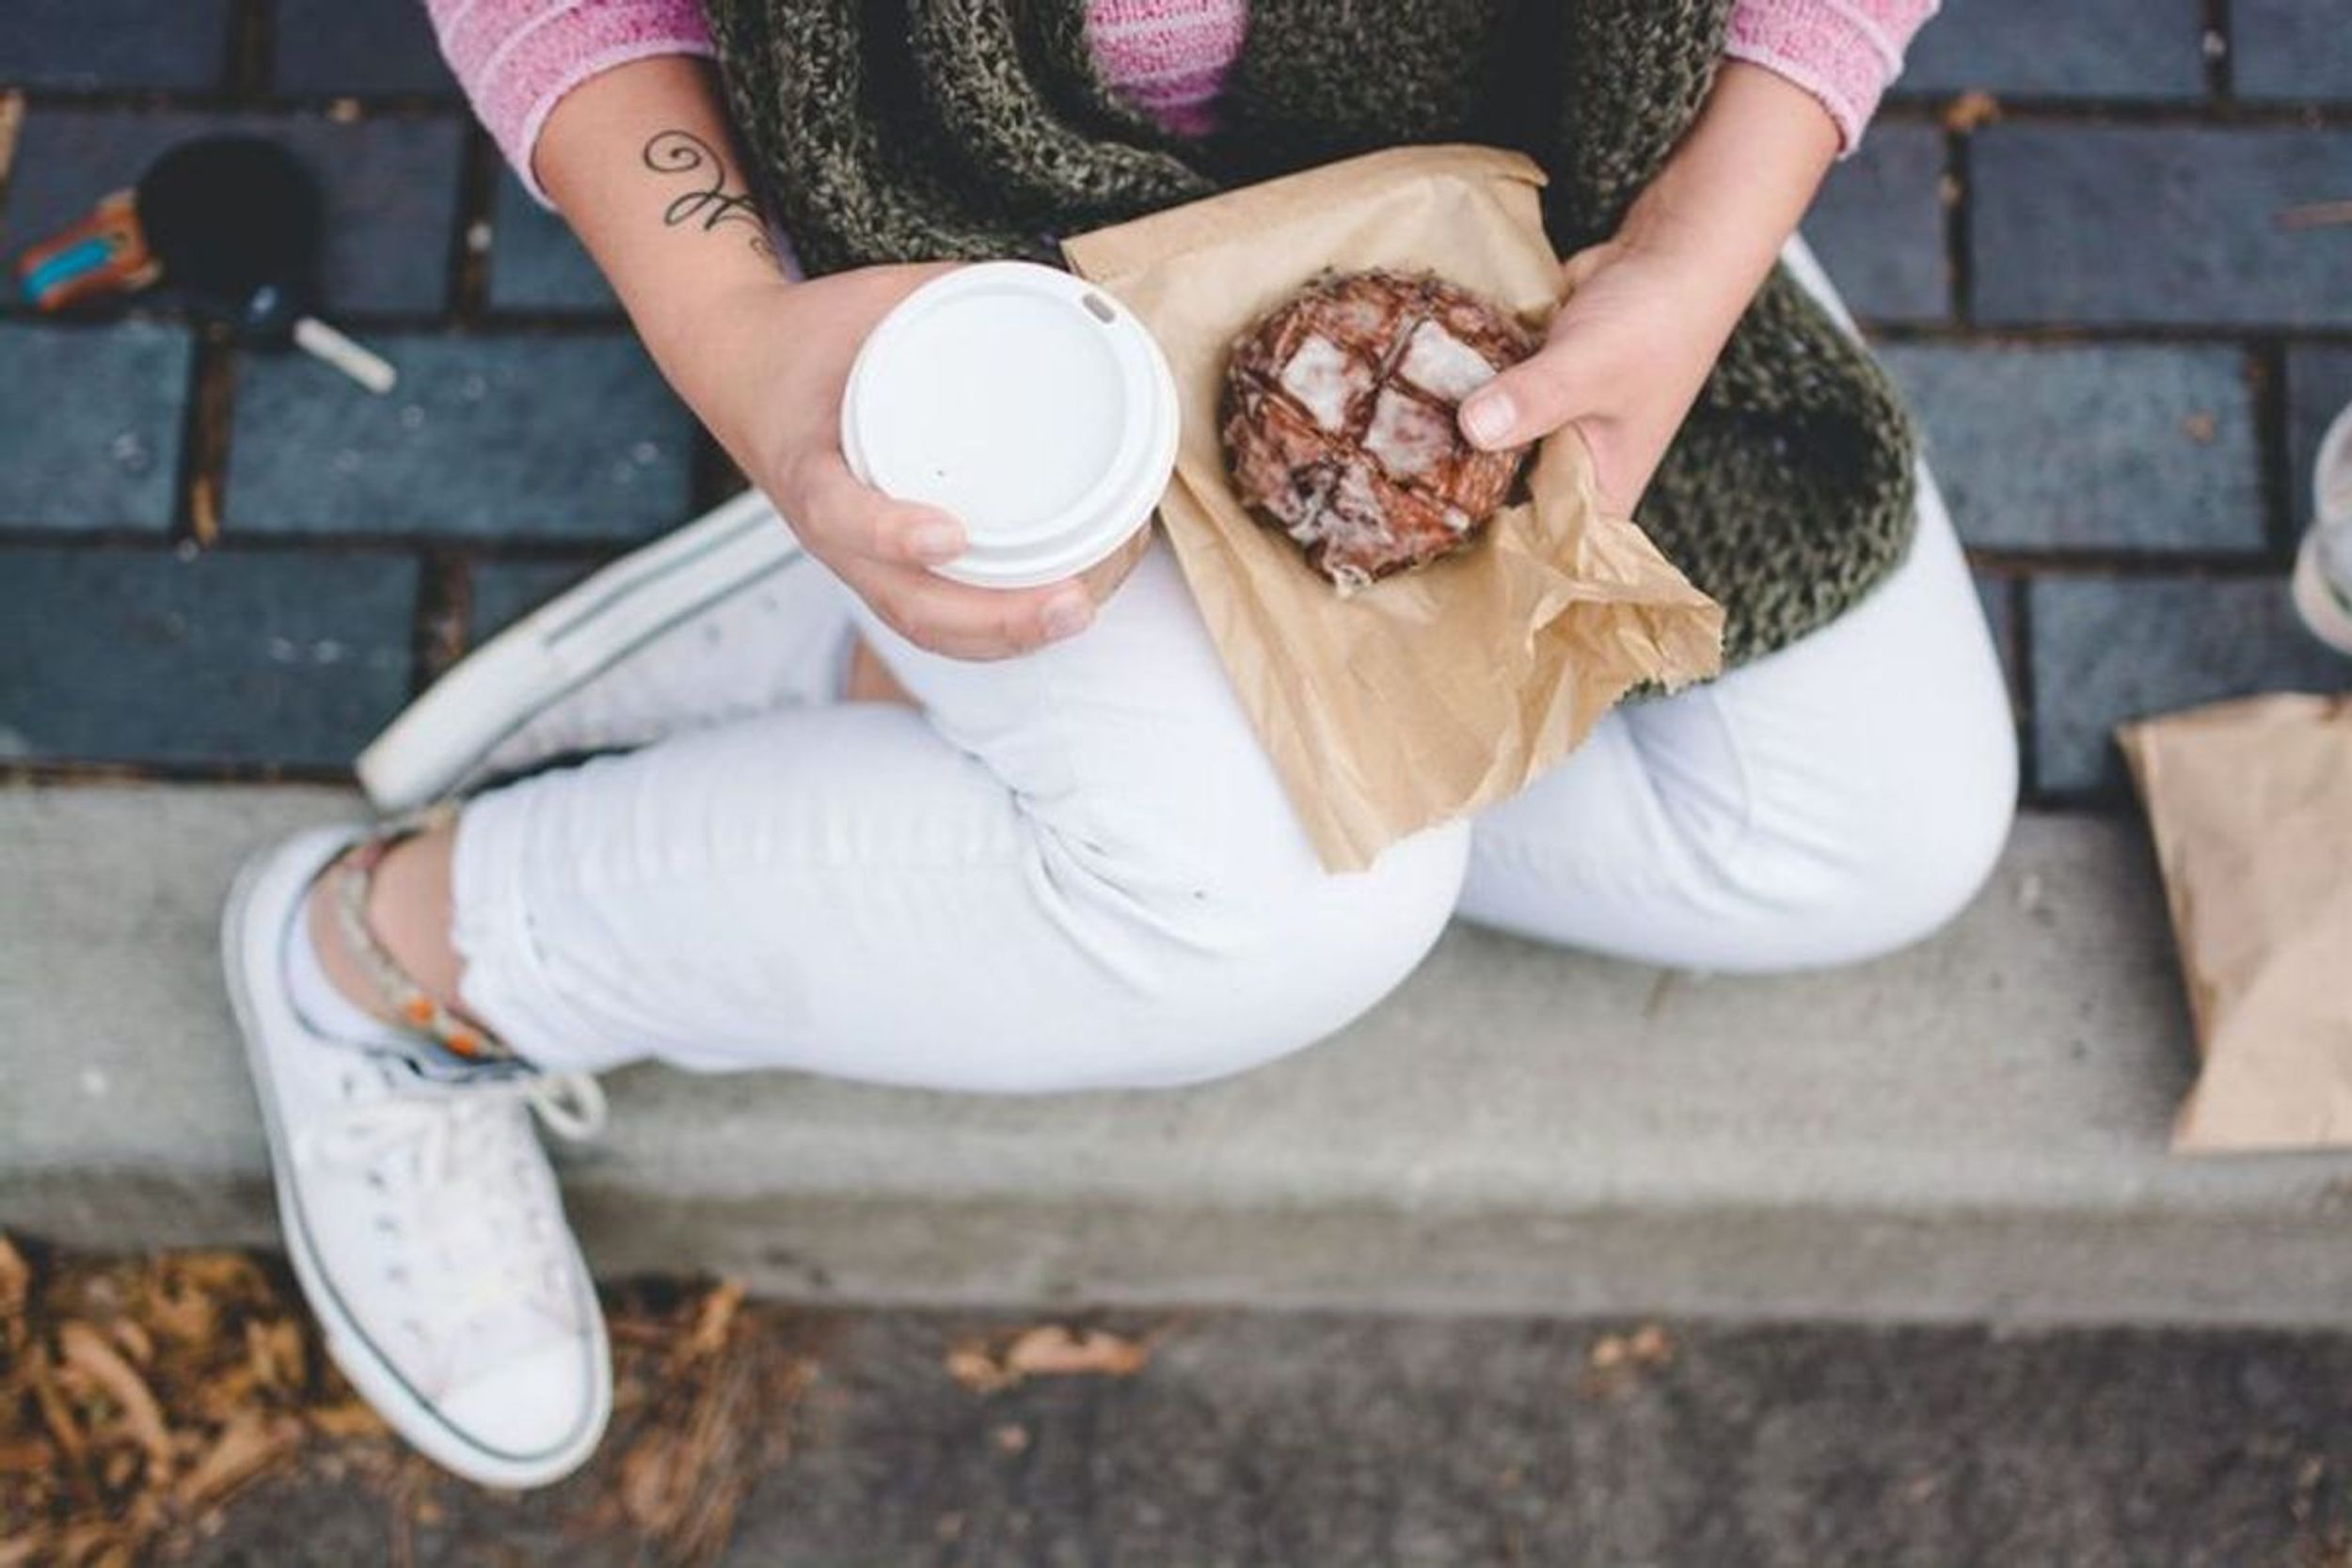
(1307, 1441)
(2066, 232)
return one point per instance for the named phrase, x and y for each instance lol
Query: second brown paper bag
(2250, 803)
(1428, 695)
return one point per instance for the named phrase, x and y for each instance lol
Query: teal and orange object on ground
(234, 223)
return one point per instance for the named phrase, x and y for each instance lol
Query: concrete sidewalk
(1973, 1129)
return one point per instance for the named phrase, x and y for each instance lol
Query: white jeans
(1077, 869)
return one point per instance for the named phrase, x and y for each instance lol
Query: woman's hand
(765, 365)
(1648, 311)
(638, 160)
(1623, 361)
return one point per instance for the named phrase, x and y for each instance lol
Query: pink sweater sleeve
(1842, 51)
(516, 58)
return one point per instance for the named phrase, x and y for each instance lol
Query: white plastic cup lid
(1028, 404)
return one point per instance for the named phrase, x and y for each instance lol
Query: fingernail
(1068, 617)
(1487, 418)
(935, 541)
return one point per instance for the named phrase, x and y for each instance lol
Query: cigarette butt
(363, 365)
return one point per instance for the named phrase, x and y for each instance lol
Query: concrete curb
(1973, 1129)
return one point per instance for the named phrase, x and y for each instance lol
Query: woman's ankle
(409, 911)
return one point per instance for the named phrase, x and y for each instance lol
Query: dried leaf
(219, 1274)
(221, 1394)
(1053, 1350)
(15, 1279)
(1970, 110)
(2314, 215)
(350, 1419)
(650, 1478)
(86, 1546)
(88, 1352)
(250, 1444)
(1647, 1346)
(119, 1466)
(136, 1342)
(1048, 1350)
(29, 1456)
(970, 1364)
(274, 1351)
(185, 1316)
(55, 1414)
(1651, 1346)
(716, 1316)
(12, 121)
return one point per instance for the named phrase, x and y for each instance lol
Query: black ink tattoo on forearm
(710, 204)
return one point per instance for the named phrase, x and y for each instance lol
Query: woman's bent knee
(1912, 871)
(1290, 958)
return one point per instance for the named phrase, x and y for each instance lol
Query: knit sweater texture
(516, 58)
(893, 129)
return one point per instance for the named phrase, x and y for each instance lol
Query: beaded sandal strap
(350, 880)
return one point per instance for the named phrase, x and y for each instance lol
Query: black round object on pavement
(237, 223)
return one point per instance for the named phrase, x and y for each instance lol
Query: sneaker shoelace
(477, 1227)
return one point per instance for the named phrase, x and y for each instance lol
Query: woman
(883, 826)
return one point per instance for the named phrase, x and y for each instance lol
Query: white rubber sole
(2324, 609)
(246, 952)
(439, 744)
(2323, 614)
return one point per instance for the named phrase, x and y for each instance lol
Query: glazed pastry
(1338, 421)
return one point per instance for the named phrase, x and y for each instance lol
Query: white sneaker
(725, 618)
(422, 1215)
(2323, 565)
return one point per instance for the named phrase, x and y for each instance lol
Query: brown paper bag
(1430, 694)
(2250, 803)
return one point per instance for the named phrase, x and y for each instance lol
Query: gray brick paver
(2129, 49)
(91, 421)
(489, 436)
(1878, 226)
(228, 658)
(2138, 225)
(2107, 649)
(2128, 447)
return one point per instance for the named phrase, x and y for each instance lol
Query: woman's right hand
(639, 159)
(765, 365)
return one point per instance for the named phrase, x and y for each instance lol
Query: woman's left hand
(1622, 362)
(1647, 312)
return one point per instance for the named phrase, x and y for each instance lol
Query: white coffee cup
(1025, 403)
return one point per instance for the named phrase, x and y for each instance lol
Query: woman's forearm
(1648, 311)
(639, 159)
(640, 162)
(1734, 190)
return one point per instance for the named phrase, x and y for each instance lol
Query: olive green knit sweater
(897, 130)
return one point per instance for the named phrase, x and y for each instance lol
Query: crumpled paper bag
(2250, 803)
(1427, 695)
